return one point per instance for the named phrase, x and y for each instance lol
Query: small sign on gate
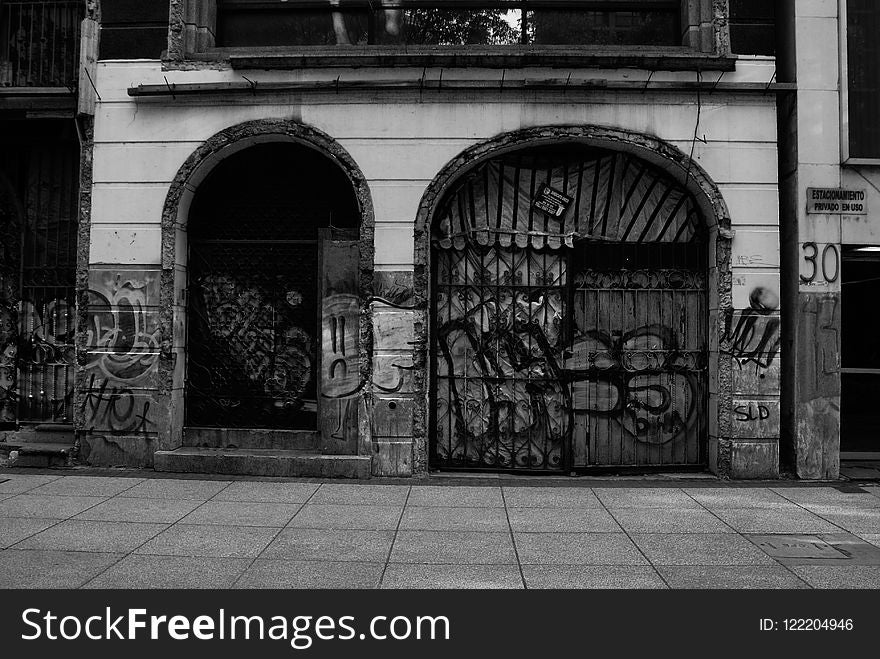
(552, 201)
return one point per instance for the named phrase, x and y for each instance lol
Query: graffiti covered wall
(118, 403)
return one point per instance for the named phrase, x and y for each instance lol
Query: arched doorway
(570, 314)
(272, 296)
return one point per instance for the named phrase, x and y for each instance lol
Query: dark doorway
(258, 231)
(860, 351)
(39, 183)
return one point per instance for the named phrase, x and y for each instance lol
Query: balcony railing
(39, 42)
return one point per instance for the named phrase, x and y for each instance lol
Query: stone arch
(661, 154)
(175, 212)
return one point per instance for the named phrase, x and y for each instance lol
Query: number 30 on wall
(821, 263)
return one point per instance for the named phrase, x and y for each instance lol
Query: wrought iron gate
(572, 337)
(251, 334)
(638, 364)
(37, 294)
(501, 397)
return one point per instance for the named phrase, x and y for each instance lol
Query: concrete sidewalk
(110, 531)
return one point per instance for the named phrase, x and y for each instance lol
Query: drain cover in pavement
(798, 546)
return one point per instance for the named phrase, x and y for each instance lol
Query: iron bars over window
(39, 42)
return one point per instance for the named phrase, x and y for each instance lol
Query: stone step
(46, 433)
(252, 438)
(261, 462)
(37, 454)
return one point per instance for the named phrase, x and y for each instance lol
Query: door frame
(713, 211)
(172, 299)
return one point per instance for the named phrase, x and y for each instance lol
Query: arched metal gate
(570, 316)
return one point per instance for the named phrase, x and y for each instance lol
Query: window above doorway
(494, 33)
(443, 23)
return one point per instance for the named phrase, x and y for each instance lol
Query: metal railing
(39, 42)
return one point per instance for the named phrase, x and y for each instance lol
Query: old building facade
(40, 147)
(830, 189)
(354, 239)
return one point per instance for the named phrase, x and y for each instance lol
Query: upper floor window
(863, 78)
(39, 42)
(447, 23)
(752, 27)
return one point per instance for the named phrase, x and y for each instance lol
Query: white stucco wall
(401, 140)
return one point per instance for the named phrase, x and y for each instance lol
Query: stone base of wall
(744, 459)
(754, 460)
(116, 450)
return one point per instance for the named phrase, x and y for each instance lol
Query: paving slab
(88, 486)
(16, 529)
(242, 513)
(864, 520)
(591, 576)
(550, 497)
(213, 541)
(700, 549)
(54, 507)
(673, 520)
(168, 488)
(484, 577)
(775, 520)
(736, 497)
(453, 547)
(18, 483)
(310, 574)
(455, 497)
(647, 497)
(89, 535)
(136, 571)
(338, 516)
(51, 569)
(361, 495)
(418, 518)
(562, 520)
(267, 492)
(828, 496)
(873, 538)
(577, 549)
(330, 545)
(730, 577)
(121, 509)
(839, 576)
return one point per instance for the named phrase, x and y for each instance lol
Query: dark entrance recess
(572, 337)
(860, 352)
(39, 179)
(261, 227)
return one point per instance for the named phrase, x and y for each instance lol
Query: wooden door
(638, 360)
